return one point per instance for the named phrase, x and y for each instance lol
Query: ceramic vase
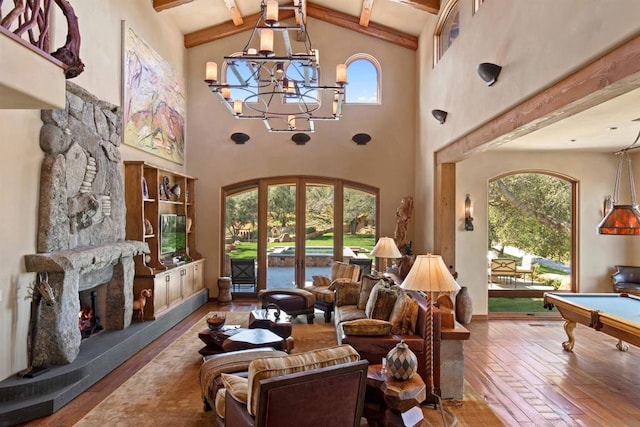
(464, 306)
(402, 363)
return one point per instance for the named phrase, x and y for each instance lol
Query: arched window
(447, 29)
(233, 74)
(363, 73)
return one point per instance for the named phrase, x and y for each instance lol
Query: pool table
(615, 314)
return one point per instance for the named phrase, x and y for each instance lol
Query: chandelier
(281, 89)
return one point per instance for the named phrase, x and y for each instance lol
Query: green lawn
(516, 305)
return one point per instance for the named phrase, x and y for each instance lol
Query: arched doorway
(531, 239)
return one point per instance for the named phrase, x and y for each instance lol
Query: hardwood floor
(517, 365)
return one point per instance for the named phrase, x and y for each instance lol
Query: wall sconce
(239, 137)
(300, 138)
(361, 138)
(489, 72)
(468, 214)
(440, 115)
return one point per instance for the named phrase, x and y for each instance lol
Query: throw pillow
(221, 395)
(398, 313)
(366, 327)
(410, 316)
(321, 281)
(347, 293)
(236, 386)
(368, 282)
(380, 303)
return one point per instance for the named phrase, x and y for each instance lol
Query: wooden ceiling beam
(160, 5)
(234, 12)
(607, 77)
(365, 14)
(322, 13)
(431, 6)
(226, 29)
(353, 23)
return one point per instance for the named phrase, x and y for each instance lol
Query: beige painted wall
(386, 162)
(100, 26)
(537, 43)
(597, 254)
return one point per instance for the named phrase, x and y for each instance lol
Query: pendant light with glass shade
(623, 219)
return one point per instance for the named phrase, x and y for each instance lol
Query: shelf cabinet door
(174, 288)
(160, 295)
(198, 275)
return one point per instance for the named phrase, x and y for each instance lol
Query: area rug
(166, 392)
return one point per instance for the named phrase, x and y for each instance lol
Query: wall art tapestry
(153, 100)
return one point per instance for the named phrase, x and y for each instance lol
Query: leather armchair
(626, 279)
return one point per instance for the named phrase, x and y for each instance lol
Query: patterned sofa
(374, 315)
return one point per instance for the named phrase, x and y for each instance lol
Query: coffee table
(386, 398)
(266, 319)
(253, 338)
(213, 339)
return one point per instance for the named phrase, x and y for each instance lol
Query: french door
(295, 227)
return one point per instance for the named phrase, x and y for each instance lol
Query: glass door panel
(281, 240)
(241, 240)
(319, 230)
(359, 229)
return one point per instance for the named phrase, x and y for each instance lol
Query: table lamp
(386, 248)
(430, 274)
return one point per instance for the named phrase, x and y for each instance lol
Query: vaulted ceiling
(605, 127)
(395, 21)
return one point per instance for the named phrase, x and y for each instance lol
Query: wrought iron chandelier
(283, 90)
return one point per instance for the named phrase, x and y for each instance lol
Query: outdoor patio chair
(364, 263)
(243, 275)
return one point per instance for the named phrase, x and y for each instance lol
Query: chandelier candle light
(282, 90)
(429, 274)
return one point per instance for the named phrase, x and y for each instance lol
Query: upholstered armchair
(323, 387)
(323, 287)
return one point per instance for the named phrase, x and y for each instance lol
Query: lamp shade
(622, 219)
(429, 274)
(386, 248)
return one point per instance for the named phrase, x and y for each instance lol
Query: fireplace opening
(88, 319)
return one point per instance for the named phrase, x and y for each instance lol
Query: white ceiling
(607, 127)
(199, 14)
(604, 128)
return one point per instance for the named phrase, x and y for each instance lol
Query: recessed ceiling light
(613, 128)
(636, 120)
(572, 140)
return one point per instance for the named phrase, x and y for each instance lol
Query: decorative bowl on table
(215, 322)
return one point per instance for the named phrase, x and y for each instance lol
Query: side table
(386, 398)
(266, 319)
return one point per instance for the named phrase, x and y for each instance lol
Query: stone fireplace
(81, 226)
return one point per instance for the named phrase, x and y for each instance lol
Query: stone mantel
(84, 259)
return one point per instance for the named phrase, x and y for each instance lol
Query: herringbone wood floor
(517, 365)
